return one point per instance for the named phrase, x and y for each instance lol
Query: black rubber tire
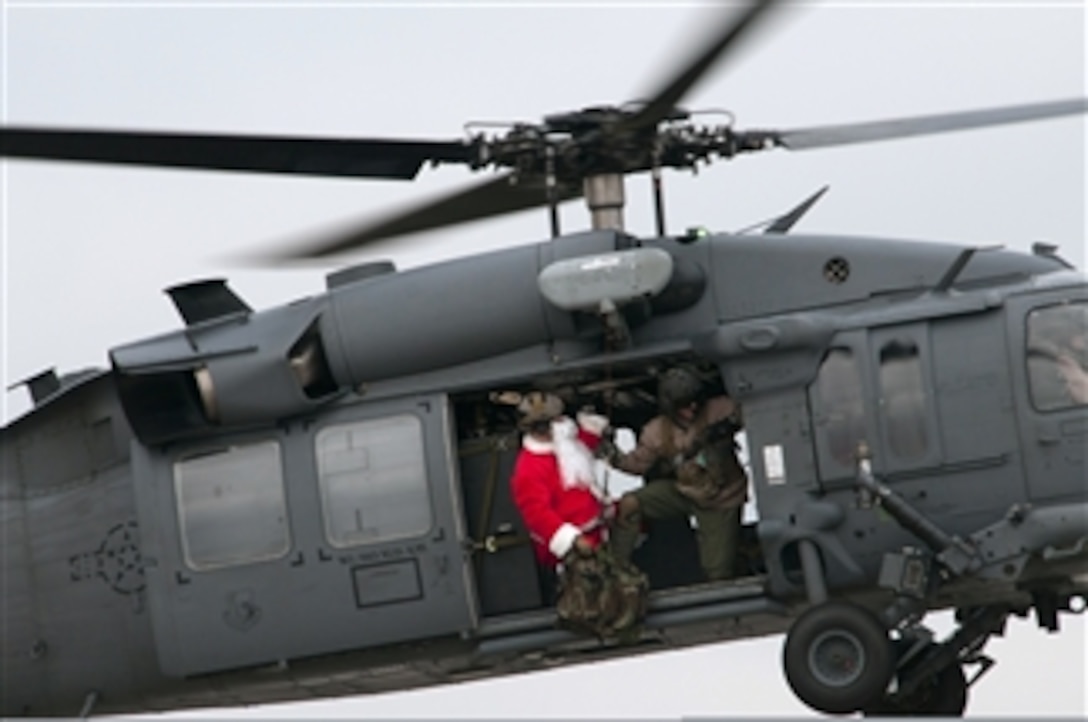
(838, 658)
(943, 695)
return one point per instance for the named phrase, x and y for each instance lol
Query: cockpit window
(1057, 356)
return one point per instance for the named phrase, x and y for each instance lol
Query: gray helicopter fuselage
(182, 529)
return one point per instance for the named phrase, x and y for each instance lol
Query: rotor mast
(605, 199)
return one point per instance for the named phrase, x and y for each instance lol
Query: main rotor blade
(830, 135)
(399, 159)
(494, 198)
(665, 99)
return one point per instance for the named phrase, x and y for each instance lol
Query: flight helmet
(677, 388)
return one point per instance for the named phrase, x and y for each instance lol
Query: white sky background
(87, 249)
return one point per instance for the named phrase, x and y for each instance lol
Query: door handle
(1047, 434)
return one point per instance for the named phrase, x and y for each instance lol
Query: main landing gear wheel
(943, 694)
(838, 658)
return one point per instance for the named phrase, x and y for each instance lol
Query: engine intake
(229, 372)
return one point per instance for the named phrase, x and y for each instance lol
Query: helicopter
(461, 397)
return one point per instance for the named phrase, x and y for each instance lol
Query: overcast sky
(86, 250)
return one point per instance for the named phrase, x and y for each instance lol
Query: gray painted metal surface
(98, 564)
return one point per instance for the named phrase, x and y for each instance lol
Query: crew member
(687, 457)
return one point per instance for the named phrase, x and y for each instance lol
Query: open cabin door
(308, 538)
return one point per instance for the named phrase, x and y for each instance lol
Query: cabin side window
(903, 398)
(1057, 356)
(838, 387)
(231, 506)
(373, 481)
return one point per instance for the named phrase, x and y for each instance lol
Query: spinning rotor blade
(665, 99)
(398, 159)
(830, 135)
(494, 198)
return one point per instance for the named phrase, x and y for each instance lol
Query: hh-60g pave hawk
(311, 500)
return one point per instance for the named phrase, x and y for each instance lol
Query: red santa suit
(555, 488)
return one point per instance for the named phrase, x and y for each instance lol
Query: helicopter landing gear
(929, 676)
(838, 658)
(943, 693)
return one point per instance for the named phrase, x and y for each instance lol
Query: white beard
(575, 460)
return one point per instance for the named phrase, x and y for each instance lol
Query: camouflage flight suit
(690, 471)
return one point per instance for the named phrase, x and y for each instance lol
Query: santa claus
(554, 483)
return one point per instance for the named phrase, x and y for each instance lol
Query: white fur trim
(593, 423)
(563, 539)
(537, 446)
